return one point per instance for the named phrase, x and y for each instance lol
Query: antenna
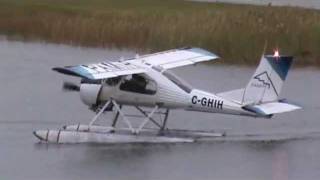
(265, 47)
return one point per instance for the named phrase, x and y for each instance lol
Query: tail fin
(266, 83)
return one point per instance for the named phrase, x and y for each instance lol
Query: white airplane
(145, 81)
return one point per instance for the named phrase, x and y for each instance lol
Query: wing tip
(202, 51)
(57, 69)
(298, 105)
(66, 71)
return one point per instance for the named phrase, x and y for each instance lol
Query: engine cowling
(89, 93)
(95, 92)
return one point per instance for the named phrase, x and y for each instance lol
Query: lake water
(31, 98)
(314, 4)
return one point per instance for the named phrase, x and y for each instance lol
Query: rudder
(267, 81)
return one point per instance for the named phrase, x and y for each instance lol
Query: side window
(112, 81)
(138, 84)
(179, 82)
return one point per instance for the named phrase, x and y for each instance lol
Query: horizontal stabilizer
(271, 108)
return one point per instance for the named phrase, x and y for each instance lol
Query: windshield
(179, 82)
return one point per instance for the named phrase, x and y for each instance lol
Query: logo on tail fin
(263, 81)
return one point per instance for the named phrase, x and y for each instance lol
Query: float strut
(165, 120)
(99, 113)
(114, 122)
(147, 119)
(146, 115)
(123, 116)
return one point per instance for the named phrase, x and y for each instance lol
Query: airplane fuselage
(168, 91)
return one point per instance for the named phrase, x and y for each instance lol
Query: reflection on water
(280, 165)
(32, 99)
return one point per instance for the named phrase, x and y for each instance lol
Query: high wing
(101, 70)
(163, 60)
(177, 57)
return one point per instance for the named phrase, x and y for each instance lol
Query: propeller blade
(69, 86)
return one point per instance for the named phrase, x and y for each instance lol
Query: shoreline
(309, 4)
(133, 53)
(237, 33)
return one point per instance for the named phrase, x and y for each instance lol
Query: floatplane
(146, 84)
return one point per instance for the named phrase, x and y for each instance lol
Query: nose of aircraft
(89, 93)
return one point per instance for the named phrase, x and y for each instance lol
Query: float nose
(40, 134)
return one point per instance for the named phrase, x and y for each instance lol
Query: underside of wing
(176, 57)
(101, 70)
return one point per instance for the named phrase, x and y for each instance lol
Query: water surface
(32, 99)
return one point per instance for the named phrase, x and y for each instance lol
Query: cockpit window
(112, 81)
(138, 84)
(179, 82)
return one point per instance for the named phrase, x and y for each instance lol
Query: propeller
(70, 86)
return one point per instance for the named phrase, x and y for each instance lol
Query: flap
(177, 58)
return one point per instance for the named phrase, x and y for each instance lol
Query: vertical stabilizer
(266, 83)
